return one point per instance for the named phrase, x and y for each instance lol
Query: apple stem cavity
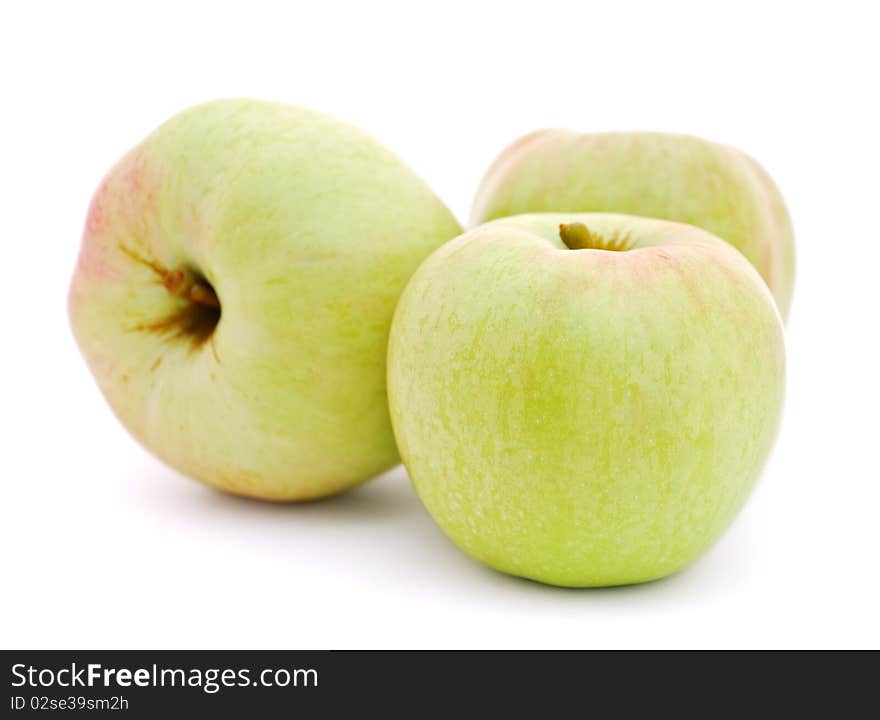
(578, 236)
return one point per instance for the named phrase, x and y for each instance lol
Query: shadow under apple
(383, 534)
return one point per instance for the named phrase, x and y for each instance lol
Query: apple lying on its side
(672, 177)
(585, 399)
(234, 292)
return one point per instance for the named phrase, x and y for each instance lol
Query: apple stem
(185, 284)
(576, 236)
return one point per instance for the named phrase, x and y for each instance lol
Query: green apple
(671, 177)
(585, 399)
(234, 293)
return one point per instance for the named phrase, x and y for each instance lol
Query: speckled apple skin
(308, 230)
(585, 417)
(660, 175)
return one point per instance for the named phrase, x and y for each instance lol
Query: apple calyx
(578, 236)
(194, 320)
(185, 284)
(198, 318)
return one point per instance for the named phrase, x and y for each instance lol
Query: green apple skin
(306, 230)
(585, 417)
(665, 176)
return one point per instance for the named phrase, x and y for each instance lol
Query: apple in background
(585, 399)
(666, 176)
(234, 292)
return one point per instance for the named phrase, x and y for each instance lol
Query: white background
(102, 546)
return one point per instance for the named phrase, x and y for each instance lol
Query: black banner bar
(264, 684)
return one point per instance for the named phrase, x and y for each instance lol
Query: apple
(585, 399)
(666, 176)
(234, 293)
